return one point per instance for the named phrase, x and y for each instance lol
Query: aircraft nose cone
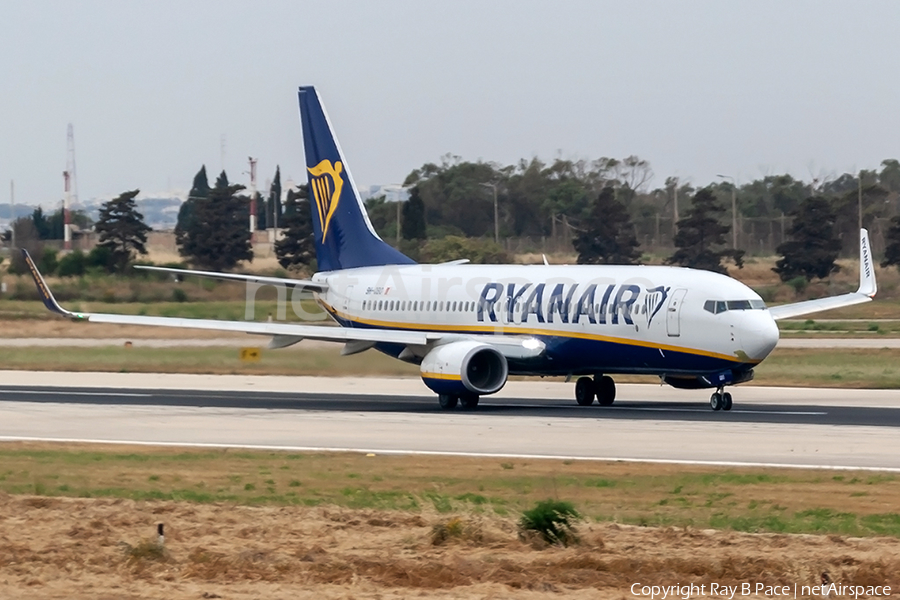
(759, 336)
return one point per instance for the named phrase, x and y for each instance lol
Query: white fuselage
(641, 319)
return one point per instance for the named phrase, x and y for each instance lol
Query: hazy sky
(696, 88)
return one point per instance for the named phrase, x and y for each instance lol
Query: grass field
(827, 367)
(753, 500)
(858, 328)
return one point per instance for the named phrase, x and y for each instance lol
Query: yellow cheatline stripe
(449, 376)
(532, 331)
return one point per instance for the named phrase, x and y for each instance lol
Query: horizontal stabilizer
(258, 279)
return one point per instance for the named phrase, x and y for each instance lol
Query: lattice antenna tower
(70, 164)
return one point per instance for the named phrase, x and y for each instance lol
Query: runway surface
(768, 426)
(692, 411)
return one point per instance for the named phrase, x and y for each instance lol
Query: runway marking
(376, 451)
(54, 393)
(660, 409)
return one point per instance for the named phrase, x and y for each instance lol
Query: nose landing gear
(720, 400)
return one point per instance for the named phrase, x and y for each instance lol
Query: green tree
(383, 216)
(261, 213)
(413, 225)
(889, 178)
(27, 237)
(122, 229)
(452, 247)
(454, 197)
(186, 219)
(42, 225)
(701, 238)
(892, 238)
(297, 248)
(846, 211)
(73, 264)
(56, 222)
(813, 245)
(273, 204)
(217, 236)
(607, 235)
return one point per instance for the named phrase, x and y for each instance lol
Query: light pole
(860, 199)
(400, 190)
(493, 186)
(733, 209)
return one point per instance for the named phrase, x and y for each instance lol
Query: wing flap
(311, 332)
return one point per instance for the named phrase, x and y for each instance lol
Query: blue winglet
(44, 291)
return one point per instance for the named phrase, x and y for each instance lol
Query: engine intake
(464, 367)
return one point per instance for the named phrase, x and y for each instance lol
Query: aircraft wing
(282, 331)
(865, 293)
(286, 334)
(301, 283)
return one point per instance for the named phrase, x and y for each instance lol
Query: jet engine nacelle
(464, 367)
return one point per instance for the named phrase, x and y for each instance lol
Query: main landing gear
(720, 400)
(601, 387)
(466, 401)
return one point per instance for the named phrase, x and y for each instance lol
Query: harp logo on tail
(326, 183)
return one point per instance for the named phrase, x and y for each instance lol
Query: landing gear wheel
(716, 401)
(447, 401)
(584, 391)
(726, 401)
(469, 401)
(606, 390)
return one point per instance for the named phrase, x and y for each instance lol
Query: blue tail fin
(344, 235)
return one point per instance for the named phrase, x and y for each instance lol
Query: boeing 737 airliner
(471, 326)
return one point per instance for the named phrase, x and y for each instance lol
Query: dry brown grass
(66, 547)
(81, 548)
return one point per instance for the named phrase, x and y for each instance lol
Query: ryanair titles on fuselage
(568, 303)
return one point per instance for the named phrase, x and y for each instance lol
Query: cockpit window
(720, 306)
(738, 305)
